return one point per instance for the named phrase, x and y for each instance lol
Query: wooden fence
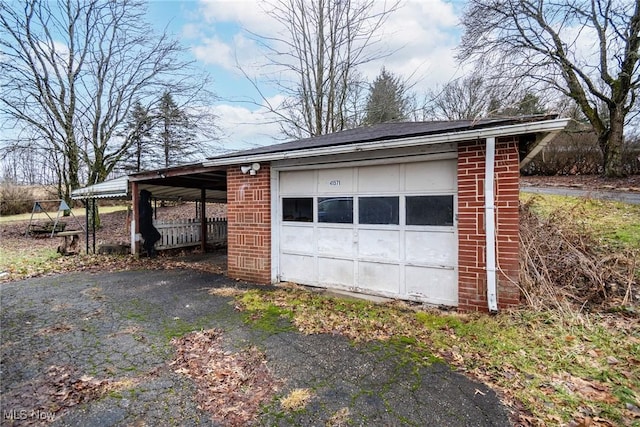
(182, 233)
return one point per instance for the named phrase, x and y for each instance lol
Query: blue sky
(422, 34)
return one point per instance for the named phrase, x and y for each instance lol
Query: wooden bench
(46, 228)
(70, 241)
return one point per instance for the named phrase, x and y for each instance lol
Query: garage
(421, 211)
(385, 229)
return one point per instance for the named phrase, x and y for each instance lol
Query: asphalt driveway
(61, 335)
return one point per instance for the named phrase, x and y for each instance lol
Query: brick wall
(472, 279)
(249, 222)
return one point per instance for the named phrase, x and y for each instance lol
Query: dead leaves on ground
(60, 388)
(358, 320)
(231, 386)
(226, 291)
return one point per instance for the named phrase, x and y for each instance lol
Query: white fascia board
(466, 135)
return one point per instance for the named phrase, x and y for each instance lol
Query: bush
(15, 199)
(578, 153)
(631, 156)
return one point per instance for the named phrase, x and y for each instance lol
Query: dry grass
(296, 400)
(226, 291)
(565, 267)
(340, 419)
(580, 361)
(568, 369)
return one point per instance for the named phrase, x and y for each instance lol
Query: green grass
(561, 367)
(613, 224)
(36, 258)
(176, 328)
(28, 261)
(264, 315)
(136, 309)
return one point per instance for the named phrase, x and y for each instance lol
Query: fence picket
(181, 233)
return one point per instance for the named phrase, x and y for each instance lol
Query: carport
(185, 183)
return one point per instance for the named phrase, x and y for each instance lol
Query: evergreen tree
(528, 105)
(138, 131)
(175, 132)
(387, 100)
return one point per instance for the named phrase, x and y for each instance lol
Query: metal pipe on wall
(490, 224)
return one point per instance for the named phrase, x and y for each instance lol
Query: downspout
(490, 224)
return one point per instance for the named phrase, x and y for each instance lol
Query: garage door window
(335, 210)
(430, 210)
(299, 209)
(378, 210)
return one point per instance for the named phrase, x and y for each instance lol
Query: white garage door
(387, 230)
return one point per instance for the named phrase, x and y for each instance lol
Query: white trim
(276, 219)
(118, 187)
(540, 144)
(390, 156)
(518, 129)
(285, 165)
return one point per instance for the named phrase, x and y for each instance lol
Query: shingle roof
(383, 132)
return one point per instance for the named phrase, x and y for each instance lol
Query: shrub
(578, 153)
(15, 199)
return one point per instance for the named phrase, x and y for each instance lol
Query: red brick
(471, 237)
(249, 219)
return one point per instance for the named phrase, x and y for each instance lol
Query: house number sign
(335, 182)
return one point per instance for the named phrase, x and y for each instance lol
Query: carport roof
(113, 188)
(184, 182)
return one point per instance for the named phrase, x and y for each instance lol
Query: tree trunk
(611, 143)
(73, 171)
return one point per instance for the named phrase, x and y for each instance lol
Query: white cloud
(421, 37)
(241, 128)
(215, 52)
(240, 51)
(247, 13)
(191, 30)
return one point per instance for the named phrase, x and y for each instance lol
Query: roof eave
(441, 138)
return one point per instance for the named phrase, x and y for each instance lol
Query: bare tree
(466, 98)
(324, 43)
(71, 70)
(586, 49)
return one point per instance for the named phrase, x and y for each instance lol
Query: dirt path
(95, 349)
